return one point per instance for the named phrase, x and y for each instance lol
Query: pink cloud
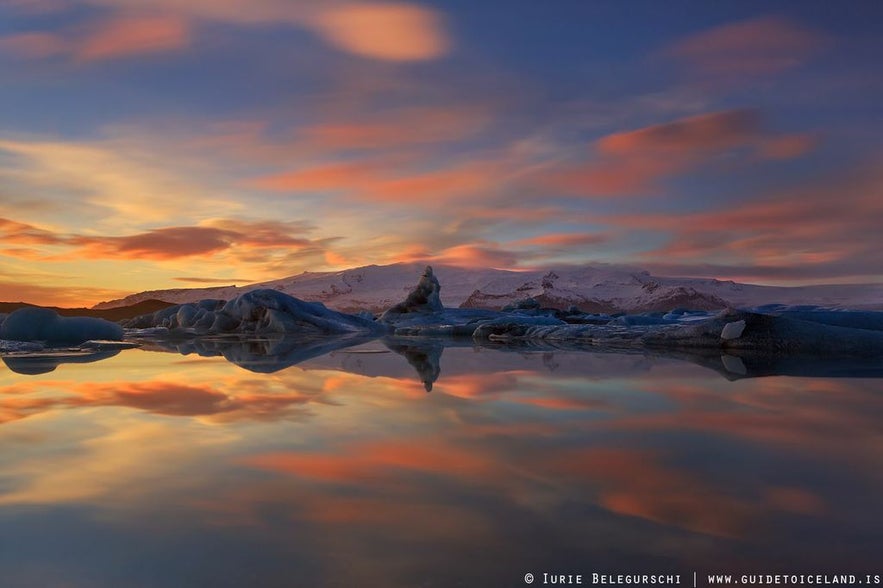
(562, 240)
(758, 46)
(787, 146)
(128, 36)
(393, 31)
(635, 162)
(104, 39)
(715, 131)
(824, 226)
(34, 45)
(466, 255)
(387, 182)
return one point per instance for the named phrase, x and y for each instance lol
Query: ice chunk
(43, 324)
(259, 312)
(733, 330)
(423, 298)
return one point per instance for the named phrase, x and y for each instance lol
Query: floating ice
(264, 312)
(733, 330)
(43, 324)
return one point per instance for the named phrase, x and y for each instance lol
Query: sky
(183, 143)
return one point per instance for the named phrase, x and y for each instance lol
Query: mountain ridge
(608, 289)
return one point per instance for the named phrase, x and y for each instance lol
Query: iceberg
(261, 312)
(424, 298)
(43, 324)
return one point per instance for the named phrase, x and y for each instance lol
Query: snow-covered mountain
(592, 289)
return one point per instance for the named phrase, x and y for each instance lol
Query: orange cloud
(392, 31)
(25, 234)
(160, 244)
(335, 176)
(758, 46)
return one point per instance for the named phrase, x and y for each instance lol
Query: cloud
(562, 240)
(825, 222)
(386, 31)
(124, 37)
(825, 226)
(334, 176)
(122, 176)
(107, 39)
(34, 45)
(25, 234)
(163, 243)
(760, 46)
(465, 255)
(715, 131)
(167, 243)
(787, 146)
(386, 182)
(635, 162)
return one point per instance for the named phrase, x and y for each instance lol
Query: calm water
(152, 468)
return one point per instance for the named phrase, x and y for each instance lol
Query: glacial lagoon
(426, 462)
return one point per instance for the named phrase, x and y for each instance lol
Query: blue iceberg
(43, 324)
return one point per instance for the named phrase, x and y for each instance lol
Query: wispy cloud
(824, 226)
(130, 184)
(759, 46)
(256, 239)
(634, 162)
(387, 31)
(103, 40)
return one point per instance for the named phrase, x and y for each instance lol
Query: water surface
(153, 468)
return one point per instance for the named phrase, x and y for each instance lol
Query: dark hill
(111, 314)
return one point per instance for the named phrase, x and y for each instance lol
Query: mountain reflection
(424, 356)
